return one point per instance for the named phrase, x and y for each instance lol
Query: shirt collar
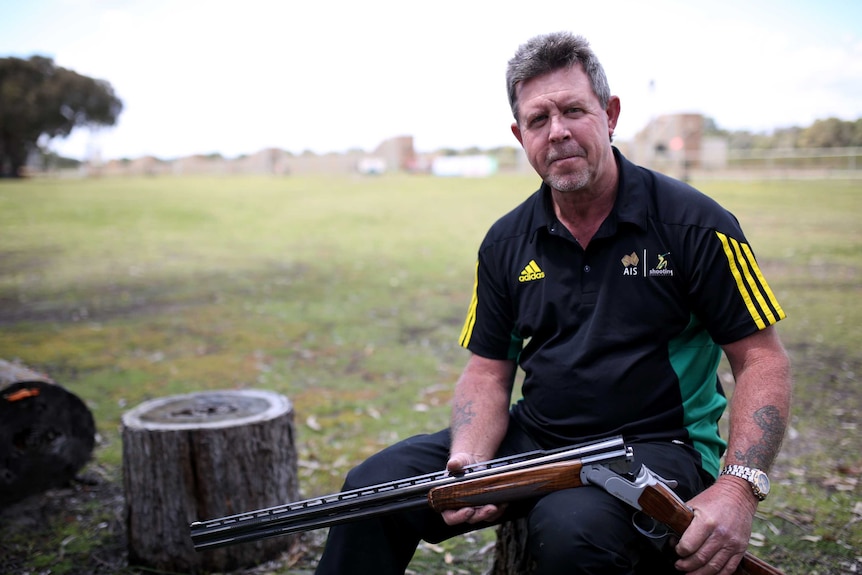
(632, 204)
(629, 207)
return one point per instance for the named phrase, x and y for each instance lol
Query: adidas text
(531, 276)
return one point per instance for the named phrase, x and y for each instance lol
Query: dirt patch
(29, 529)
(92, 510)
(139, 297)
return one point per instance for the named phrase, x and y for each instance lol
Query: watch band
(757, 479)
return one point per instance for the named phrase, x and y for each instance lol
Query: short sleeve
(489, 328)
(728, 290)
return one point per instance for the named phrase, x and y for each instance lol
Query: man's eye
(537, 121)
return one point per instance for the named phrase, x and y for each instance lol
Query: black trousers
(572, 531)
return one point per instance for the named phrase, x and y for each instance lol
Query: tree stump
(202, 456)
(47, 433)
(511, 557)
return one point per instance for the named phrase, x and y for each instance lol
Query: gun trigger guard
(656, 532)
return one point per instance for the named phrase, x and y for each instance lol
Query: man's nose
(559, 129)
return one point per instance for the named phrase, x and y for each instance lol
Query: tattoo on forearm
(462, 415)
(761, 455)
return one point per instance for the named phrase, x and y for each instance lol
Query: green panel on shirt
(695, 358)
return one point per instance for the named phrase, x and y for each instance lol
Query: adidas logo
(531, 272)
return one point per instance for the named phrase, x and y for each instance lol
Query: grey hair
(550, 52)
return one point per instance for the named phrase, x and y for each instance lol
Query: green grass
(347, 295)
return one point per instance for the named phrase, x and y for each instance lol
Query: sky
(201, 77)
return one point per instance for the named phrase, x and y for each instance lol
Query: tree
(832, 133)
(39, 99)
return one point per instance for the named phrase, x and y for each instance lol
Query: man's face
(564, 130)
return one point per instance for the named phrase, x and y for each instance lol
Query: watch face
(762, 483)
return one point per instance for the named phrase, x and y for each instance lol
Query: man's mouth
(565, 154)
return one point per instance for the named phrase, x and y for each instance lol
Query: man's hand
(718, 536)
(487, 513)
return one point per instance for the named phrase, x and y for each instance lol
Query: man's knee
(381, 467)
(583, 526)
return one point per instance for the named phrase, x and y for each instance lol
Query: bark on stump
(511, 556)
(202, 456)
(47, 433)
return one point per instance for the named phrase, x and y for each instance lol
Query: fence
(831, 159)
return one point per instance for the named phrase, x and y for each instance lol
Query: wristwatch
(758, 480)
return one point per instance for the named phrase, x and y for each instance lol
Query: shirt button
(587, 269)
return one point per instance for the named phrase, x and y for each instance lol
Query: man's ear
(517, 131)
(613, 112)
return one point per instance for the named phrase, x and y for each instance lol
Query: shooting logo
(531, 272)
(661, 268)
(630, 264)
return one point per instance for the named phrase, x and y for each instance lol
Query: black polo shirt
(623, 337)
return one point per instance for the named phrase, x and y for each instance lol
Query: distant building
(473, 166)
(675, 144)
(394, 155)
(397, 153)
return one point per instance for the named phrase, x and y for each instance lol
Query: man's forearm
(760, 405)
(480, 407)
(477, 426)
(759, 415)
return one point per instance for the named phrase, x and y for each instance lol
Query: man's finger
(458, 461)
(458, 516)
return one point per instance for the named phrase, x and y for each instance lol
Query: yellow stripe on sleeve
(470, 322)
(767, 290)
(740, 283)
(749, 279)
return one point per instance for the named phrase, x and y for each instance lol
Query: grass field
(347, 295)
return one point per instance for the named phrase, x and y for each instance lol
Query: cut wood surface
(11, 372)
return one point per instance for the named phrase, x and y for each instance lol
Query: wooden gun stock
(508, 486)
(660, 503)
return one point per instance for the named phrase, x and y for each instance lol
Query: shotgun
(605, 464)
(404, 494)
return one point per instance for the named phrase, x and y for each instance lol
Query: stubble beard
(571, 182)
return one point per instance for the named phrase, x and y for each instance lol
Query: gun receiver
(411, 493)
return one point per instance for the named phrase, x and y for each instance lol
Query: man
(615, 289)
